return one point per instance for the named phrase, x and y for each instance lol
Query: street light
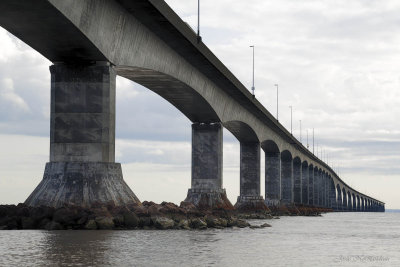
(291, 116)
(198, 22)
(253, 88)
(277, 89)
(300, 131)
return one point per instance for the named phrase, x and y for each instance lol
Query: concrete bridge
(92, 41)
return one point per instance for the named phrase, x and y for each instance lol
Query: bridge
(90, 42)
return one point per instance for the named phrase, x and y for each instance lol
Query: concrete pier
(311, 185)
(272, 178)
(316, 187)
(82, 169)
(287, 178)
(250, 198)
(297, 190)
(206, 190)
(304, 183)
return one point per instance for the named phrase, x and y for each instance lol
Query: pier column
(332, 194)
(82, 169)
(297, 181)
(272, 178)
(344, 200)
(287, 178)
(250, 198)
(311, 185)
(316, 187)
(304, 183)
(339, 198)
(206, 190)
(354, 208)
(320, 188)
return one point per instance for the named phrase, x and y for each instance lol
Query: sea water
(335, 239)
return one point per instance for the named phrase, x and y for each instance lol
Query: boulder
(242, 223)
(52, 225)
(130, 220)
(198, 223)
(184, 224)
(91, 225)
(104, 223)
(27, 223)
(265, 225)
(163, 223)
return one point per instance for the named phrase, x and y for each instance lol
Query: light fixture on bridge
(198, 22)
(277, 90)
(291, 119)
(253, 88)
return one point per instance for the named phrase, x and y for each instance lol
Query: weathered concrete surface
(82, 184)
(297, 190)
(311, 185)
(81, 170)
(287, 178)
(249, 169)
(206, 190)
(82, 119)
(304, 183)
(272, 178)
(250, 198)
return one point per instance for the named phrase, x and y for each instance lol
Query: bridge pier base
(206, 191)
(82, 169)
(250, 198)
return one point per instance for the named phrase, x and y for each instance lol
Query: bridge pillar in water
(354, 202)
(297, 189)
(272, 178)
(311, 185)
(304, 183)
(332, 194)
(339, 198)
(250, 198)
(82, 169)
(287, 178)
(316, 187)
(206, 190)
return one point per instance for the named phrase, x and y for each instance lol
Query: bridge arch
(242, 131)
(272, 172)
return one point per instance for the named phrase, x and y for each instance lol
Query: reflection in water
(87, 248)
(349, 239)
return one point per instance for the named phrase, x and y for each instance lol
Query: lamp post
(277, 97)
(313, 140)
(253, 88)
(300, 131)
(198, 22)
(291, 117)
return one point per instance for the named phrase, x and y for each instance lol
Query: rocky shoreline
(147, 216)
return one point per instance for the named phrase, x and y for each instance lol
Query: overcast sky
(336, 62)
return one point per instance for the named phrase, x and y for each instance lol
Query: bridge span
(89, 42)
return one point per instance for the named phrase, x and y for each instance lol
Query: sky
(336, 62)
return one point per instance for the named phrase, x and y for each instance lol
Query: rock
(54, 226)
(215, 222)
(27, 223)
(242, 223)
(184, 224)
(119, 221)
(64, 216)
(104, 223)
(163, 223)
(198, 224)
(254, 226)
(265, 225)
(82, 220)
(131, 220)
(145, 221)
(42, 224)
(91, 225)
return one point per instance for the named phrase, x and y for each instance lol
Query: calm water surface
(337, 239)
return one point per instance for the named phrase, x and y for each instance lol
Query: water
(345, 239)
